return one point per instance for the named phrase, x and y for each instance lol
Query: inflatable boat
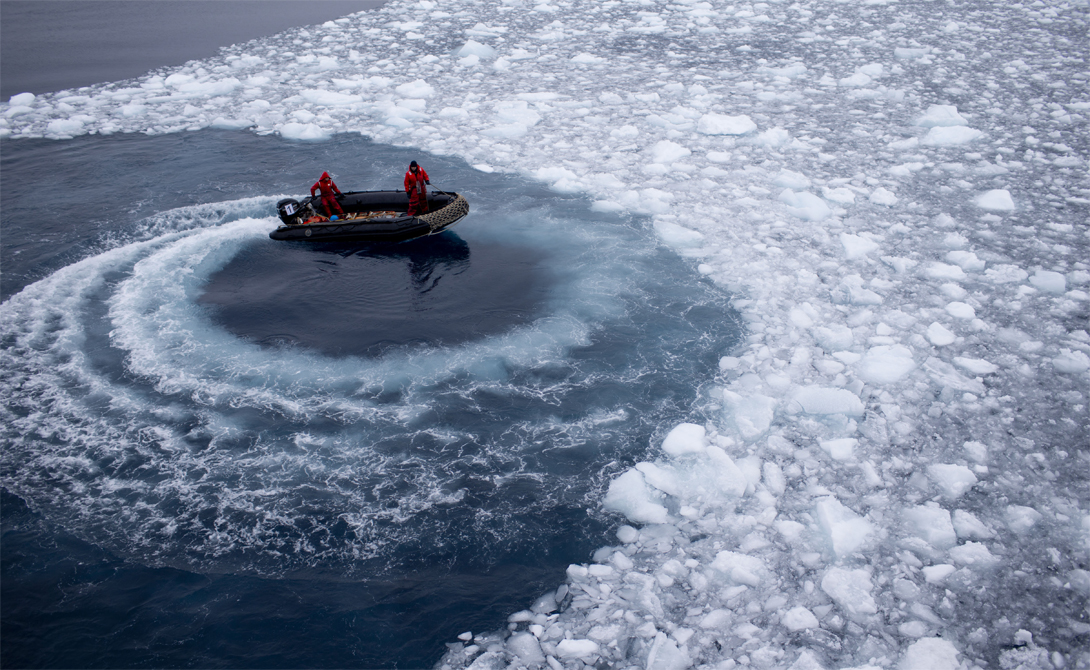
(369, 216)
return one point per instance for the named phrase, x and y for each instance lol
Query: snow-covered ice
(892, 472)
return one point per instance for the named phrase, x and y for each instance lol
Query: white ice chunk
(931, 524)
(666, 151)
(851, 589)
(1006, 274)
(843, 196)
(576, 648)
(587, 59)
(839, 449)
(629, 495)
(799, 618)
(941, 116)
(937, 574)
(1049, 282)
(805, 205)
(845, 530)
(834, 338)
(974, 555)
(826, 400)
(885, 364)
(856, 246)
(685, 439)
(966, 260)
(21, 99)
(952, 136)
(717, 619)
(666, 655)
(954, 480)
(1020, 519)
(721, 124)
(930, 653)
(939, 336)
(525, 647)
(751, 414)
(961, 310)
(662, 479)
(791, 179)
(727, 476)
(415, 89)
(883, 196)
(966, 525)
(740, 568)
(977, 366)
(1071, 362)
(946, 375)
(678, 237)
(996, 200)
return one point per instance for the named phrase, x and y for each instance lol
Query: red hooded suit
(416, 187)
(328, 188)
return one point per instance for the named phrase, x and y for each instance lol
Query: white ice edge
(872, 312)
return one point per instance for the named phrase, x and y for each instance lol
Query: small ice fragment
(949, 137)
(941, 116)
(1020, 519)
(939, 336)
(851, 589)
(716, 620)
(930, 653)
(665, 655)
(526, 648)
(627, 534)
(721, 124)
(846, 530)
(961, 310)
(954, 480)
(799, 618)
(936, 574)
(576, 648)
(996, 200)
(856, 246)
(629, 495)
(466, 636)
(968, 526)
(685, 439)
(932, 524)
(882, 196)
(1049, 282)
(885, 364)
(977, 366)
(793, 180)
(822, 400)
(973, 555)
(839, 449)
(805, 205)
(1071, 362)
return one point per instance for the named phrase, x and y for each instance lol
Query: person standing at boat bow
(328, 189)
(416, 183)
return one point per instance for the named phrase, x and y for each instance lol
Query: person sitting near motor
(416, 181)
(328, 189)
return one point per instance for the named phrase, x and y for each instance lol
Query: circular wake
(137, 421)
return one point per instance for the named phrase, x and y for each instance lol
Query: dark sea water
(60, 44)
(225, 451)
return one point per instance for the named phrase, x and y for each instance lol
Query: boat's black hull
(392, 224)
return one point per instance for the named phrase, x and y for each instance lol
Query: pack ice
(892, 473)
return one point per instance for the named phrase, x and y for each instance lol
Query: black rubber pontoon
(370, 216)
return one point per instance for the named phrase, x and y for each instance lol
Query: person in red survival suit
(328, 188)
(416, 181)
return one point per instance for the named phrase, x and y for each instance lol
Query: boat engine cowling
(290, 211)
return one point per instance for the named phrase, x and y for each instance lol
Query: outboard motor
(291, 211)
